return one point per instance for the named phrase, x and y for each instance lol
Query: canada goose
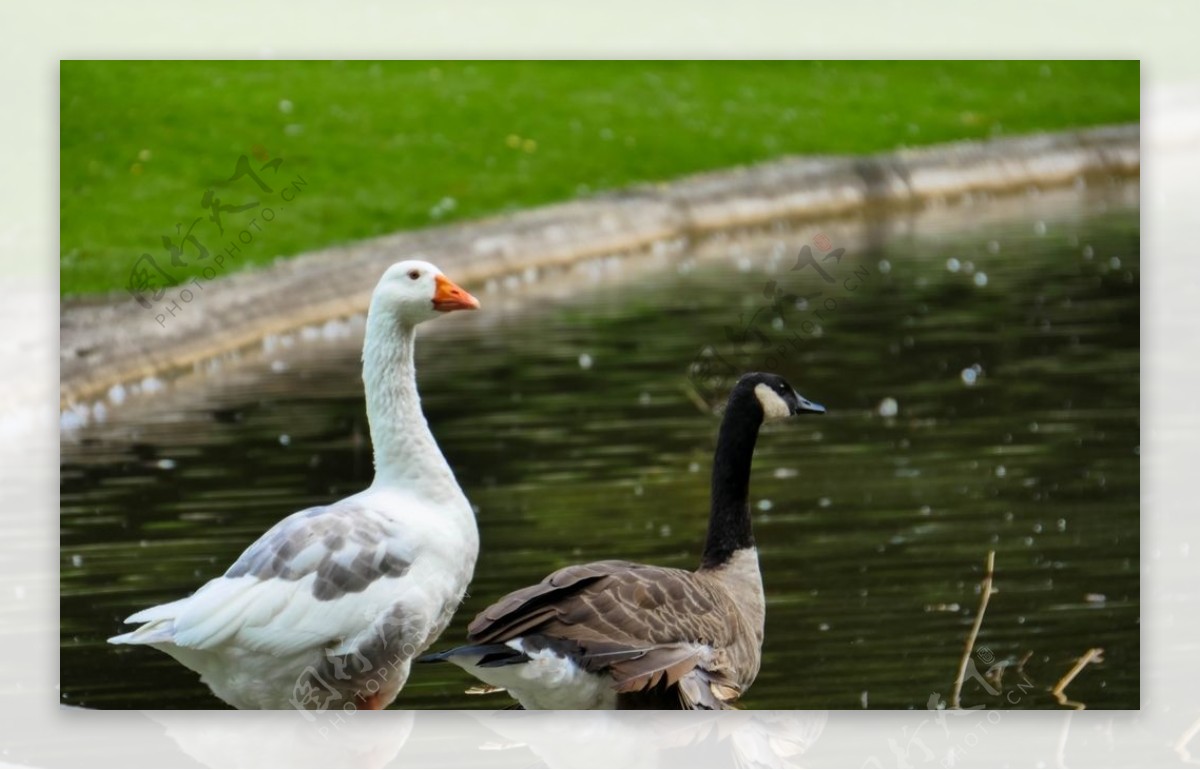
(331, 604)
(615, 634)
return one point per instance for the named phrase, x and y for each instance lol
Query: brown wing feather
(668, 664)
(701, 689)
(493, 624)
(647, 626)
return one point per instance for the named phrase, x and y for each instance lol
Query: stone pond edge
(113, 341)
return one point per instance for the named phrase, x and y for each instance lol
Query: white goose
(331, 605)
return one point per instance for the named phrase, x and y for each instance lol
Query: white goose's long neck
(406, 455)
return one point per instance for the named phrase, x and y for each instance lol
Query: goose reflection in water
(559, 739)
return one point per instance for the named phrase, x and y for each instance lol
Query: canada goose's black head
(774, 396)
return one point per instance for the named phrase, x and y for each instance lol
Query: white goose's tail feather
(158, 625)
(154, 632)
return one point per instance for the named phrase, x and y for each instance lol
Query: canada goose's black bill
(804, 406)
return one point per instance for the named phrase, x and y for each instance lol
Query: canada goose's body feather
(616, 634)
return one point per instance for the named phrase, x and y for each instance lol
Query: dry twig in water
(1021, 663)
(985, 593)
(1091, 656)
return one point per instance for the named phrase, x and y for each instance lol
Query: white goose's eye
(414, 274)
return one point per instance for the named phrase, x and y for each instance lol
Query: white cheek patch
(773, 406)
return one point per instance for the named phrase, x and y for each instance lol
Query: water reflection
(75, 737)
(288, 739)
(480, 738)
(569, 419)
(660, 739)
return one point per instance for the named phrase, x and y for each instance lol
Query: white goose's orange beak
(450, 296)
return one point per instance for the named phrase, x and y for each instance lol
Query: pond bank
(110, 341)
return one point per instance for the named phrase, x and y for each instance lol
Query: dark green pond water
(982, 385)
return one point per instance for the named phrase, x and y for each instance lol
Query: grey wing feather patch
(349, 551)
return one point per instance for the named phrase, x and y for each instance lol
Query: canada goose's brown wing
(526, 607)
(645, 626)
(704, 689)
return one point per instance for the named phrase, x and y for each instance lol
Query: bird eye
(414, 274)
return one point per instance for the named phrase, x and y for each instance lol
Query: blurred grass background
(386, 146)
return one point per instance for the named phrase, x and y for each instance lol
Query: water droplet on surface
(981, 279)
(884, 266)
(285, 439)
(953, 265)
(824, 502)
(765, 505)
(165, 463)
(585, 361)
(888, 407)
(1001, 471)
(969, 376)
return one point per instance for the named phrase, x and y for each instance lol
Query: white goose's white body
(331, 604)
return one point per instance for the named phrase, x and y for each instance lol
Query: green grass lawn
(385, 146)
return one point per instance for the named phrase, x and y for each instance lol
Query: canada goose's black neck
(729, 521)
